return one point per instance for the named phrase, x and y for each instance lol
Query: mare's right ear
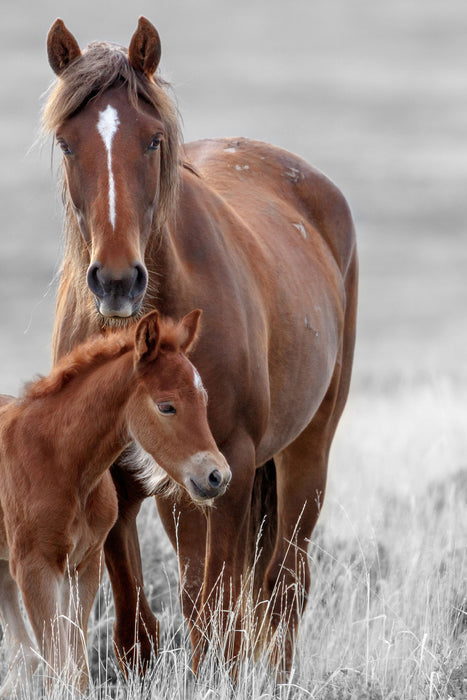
(147, 338)
(62, 47)
(144, 52)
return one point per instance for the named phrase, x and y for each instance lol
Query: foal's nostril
(215, 478)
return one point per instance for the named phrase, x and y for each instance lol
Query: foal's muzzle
(208, 476)
(117, 295)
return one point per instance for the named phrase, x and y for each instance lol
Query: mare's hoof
(136, 654)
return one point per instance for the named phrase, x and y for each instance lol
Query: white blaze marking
(107, 127)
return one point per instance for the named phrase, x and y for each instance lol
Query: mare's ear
(144, 51)
(62, 47)
(147, 338)
(191, 327)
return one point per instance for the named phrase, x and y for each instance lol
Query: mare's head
(119, 134)
(167, 414)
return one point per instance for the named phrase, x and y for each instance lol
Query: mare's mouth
(117, 307)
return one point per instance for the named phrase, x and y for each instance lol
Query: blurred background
(372, 93)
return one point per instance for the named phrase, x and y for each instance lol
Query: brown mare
(58, 501)
(265, 245)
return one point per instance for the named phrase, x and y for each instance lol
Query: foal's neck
(94, 431)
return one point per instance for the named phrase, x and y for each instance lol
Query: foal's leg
(41, 585)
(17, 639)
(77, 597)
(136, 630)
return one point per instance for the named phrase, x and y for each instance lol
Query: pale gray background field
(372, 93)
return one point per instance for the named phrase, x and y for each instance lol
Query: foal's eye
(65, 147)
(166, 408)
(155, 143)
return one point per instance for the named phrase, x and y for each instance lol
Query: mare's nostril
(129, 284)
(215, 478)
(140, 280)
(93, 279)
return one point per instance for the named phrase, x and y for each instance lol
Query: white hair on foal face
(107, 127)
(198, 382)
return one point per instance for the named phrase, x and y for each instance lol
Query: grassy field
(375, 95)
(387, 614)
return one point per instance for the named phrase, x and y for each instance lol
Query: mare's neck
(176, 250)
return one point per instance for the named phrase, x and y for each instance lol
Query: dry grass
(373, 94)
(387, 614)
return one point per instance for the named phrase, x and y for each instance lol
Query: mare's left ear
(147, 338)
(144, 52)
(191, 327)
(62, 47)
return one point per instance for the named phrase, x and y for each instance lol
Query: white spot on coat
(309, 327)
(107, 127)
(293, 175)
(301, 229)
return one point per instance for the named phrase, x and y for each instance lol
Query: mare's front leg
(23, 660)
(212, 558)
(136, 630)
(185, 526)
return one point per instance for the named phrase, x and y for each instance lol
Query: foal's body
(58, 501)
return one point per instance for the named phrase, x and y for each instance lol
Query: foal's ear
(62, 47)
(147, 338)
(144, 51)
(191, 327)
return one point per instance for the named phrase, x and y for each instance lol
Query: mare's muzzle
(117, 295)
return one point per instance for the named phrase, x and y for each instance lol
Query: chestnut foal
(58, 501)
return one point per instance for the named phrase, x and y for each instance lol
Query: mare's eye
(155, 143)
(166, 408)
(65, 147)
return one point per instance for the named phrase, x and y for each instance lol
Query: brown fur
(101, 66)
(265, 245)
(58, 501)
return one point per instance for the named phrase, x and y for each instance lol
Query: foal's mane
(84, 358)
(95, 352)
(101, 66)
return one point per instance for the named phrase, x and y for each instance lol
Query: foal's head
(167, 413)
(119, 134)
